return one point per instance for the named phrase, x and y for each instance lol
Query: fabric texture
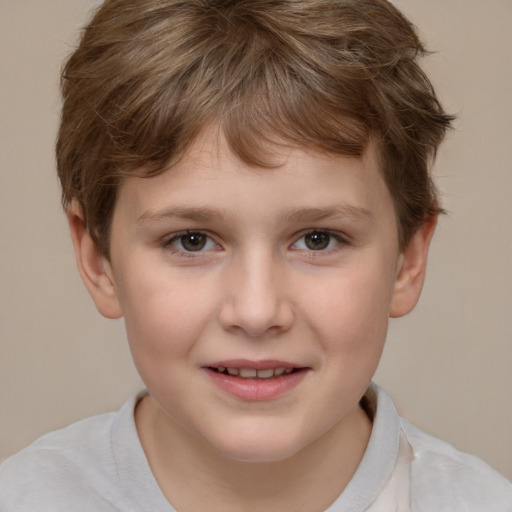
(98, 464)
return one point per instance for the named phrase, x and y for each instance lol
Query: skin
(256, 291)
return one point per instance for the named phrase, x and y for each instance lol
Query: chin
(258, 454)
(260, 447)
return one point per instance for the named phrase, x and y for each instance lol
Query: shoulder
(63, 470)
(445, 479)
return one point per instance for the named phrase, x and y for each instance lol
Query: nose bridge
(256, 300)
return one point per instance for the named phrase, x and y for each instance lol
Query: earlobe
(93, 265)
(411, 270)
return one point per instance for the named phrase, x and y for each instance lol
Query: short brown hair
(148, 76)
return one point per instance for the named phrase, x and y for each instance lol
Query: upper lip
(266, 364)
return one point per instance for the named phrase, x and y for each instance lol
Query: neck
(309, 480)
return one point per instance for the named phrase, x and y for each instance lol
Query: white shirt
(98, 465)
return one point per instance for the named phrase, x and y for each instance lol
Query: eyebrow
(349, 212)
(199, 214)
(302, 214)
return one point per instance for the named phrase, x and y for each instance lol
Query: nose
(255, 299)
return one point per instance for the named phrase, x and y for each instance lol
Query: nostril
(254, 321)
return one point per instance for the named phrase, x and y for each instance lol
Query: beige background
(447, 365)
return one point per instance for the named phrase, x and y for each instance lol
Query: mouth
(253, 373)
(256, 381)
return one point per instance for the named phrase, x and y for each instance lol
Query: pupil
(193, 241)
(317, 240)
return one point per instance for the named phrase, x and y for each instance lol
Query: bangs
(258, 90)
(252, 122)
(293, 119)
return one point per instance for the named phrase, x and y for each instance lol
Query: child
(247, 184)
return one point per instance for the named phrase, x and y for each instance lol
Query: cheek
(352, 312)
(164, 315)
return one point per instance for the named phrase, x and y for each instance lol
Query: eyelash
(168, 242)
(340, 241)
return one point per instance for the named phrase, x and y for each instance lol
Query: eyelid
(167, 242)
(341, 238)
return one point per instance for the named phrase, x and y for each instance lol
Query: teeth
(251, 373)
(247, 373)
(265, 374)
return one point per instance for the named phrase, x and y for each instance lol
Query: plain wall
(447, 365)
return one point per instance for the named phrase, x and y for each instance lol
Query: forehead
(210, 179)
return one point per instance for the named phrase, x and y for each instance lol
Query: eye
(317, 240)
(191, 241)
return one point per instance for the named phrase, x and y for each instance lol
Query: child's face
(216, 265)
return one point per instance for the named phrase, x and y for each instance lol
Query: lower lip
(256, 389)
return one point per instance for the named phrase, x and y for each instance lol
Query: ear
(93, 266)
(411, 271)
